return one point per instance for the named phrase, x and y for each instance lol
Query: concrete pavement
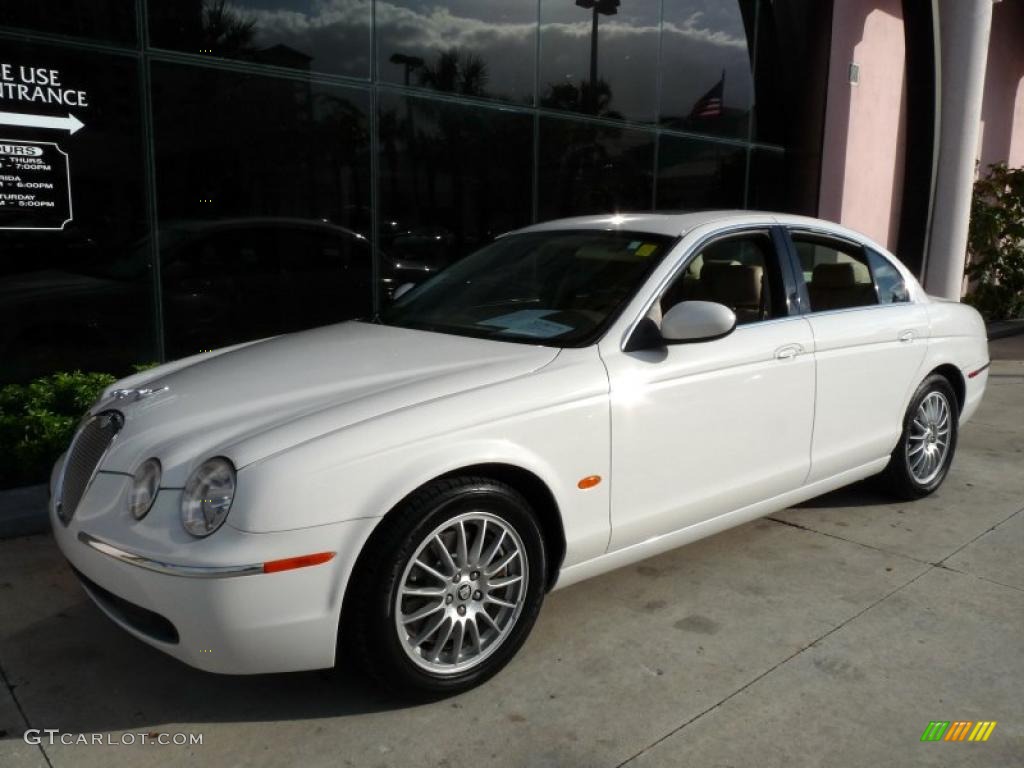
(1007, 347)
(831, 633)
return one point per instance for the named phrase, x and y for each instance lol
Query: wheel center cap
(465, 591)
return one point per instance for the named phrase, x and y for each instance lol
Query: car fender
(553, 423)
(958, 338)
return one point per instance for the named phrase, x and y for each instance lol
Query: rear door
(869, 341)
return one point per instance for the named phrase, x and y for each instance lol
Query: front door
(702, 429)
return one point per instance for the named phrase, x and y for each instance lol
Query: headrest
(736, 285)
(839, 275)
(710, 267)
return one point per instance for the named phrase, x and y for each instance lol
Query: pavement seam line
(958, 572)
(939, 564)
(872, 547)
(21, 711)
(927, 569)
(983, 533)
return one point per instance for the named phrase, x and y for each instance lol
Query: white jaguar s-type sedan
(402, 491)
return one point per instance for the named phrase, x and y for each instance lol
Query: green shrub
(37, 421)
(995, 244)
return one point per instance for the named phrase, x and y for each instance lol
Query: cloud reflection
(701, 38)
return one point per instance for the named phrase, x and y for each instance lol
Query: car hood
(262, 398)
(30, 287)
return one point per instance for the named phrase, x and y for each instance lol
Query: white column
(964, 27)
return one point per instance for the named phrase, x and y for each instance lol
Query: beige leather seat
(737, 286)
(835, 286)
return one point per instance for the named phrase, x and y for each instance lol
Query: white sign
(38, 85)
(35, 185)
(69, 123)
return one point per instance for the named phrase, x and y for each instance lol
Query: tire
(503, 577)
(922, 457)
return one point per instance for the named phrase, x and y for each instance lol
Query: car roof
(676, 224)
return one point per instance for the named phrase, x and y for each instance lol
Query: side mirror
(690, 321)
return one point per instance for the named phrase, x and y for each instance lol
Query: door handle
(906, 336)
(787, 351)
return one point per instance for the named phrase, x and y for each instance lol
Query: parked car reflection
(72, 314)
(232, 280)
(411, 254)
(222, 282)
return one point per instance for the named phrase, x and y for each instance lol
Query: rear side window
(837, 274)
(891, 287)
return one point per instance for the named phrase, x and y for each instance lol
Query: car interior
(733, 272)
(836, 279)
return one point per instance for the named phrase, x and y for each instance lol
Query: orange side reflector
(972, 374)
(588, 482)
(290, 563)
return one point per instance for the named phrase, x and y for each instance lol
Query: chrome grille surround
(85, 454)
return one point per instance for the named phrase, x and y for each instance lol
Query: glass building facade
(178, 175)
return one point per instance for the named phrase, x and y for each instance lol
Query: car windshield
(558, 288)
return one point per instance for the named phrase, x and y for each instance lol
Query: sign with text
(35, 185)
(25, 85)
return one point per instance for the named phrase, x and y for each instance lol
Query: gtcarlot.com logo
(51, 736)
(958, 730)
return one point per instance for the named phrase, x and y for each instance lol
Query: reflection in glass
(600, 57)
(586, 168)
(792, 76)
(78, 297)
(767, 187)
(231, 280)
(330, 36)
(695, 174)
(452, 177)
(706, 82)
(482, 49)
(263, 189)
(112, 21)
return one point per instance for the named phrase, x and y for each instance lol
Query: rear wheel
(448, 589)
(925, 451)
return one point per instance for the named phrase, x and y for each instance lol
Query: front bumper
(206, 602)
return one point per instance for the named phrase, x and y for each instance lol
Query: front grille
(140, 619)
(84, 457)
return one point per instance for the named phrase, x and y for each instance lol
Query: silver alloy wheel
(461, 593)
(928, 440)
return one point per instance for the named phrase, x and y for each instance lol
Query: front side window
(837, 274)
(561, 288)
(741, 272)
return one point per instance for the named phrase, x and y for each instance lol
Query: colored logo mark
(958, 730)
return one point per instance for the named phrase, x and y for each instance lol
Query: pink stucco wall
(863, 152)
(1002, 111)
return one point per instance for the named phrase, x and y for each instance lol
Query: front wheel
(449, 588)
(921, 459)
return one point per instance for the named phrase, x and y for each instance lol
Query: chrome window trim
(770, 321)
(826, 234)
(169, 569)
(684, 261)
(58, 499)
(861, 308)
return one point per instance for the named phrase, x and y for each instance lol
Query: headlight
(208, 496)
(145, 484)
